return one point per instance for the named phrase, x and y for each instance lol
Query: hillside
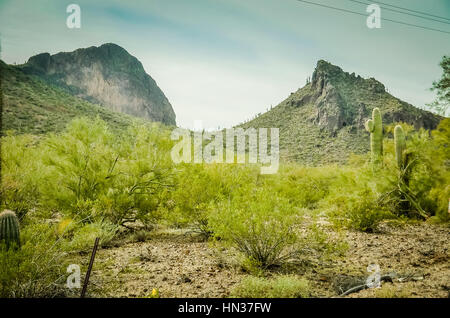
(31, 105)
(107, 75)
(323, 122)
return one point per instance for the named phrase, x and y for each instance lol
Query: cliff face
(323, 122)
(107, 75)
(342, 99)
(32, 106)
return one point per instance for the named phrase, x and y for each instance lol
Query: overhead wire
(363, 14)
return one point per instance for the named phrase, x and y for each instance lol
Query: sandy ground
(179, 265)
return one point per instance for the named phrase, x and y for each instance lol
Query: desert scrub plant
(83, 237)
(364, 213)
(259, 225)
(353, 199)
(415, 188)
(37, 269)
(144, 176)
(401, 194)
(200, 187)
(302, 186)
(280, 286)
(391, 291)
(440, 189)
(21, 173)
(81, 162)
(94, 174)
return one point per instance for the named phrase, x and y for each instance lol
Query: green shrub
(282, 286)
(364, 213)
(81, 162)
(418, 190)
(83, 238)
(21, 174)
(36, 269)
(392, 291)
(353, 201)
(140, 236)
(199, 187)
(302, 186)
(260, 225)
(94, 174)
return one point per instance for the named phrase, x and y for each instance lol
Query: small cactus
(400, 146)
(375, 127)
(9, 229)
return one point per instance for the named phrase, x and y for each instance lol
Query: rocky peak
(107, 75)
(342, 99)
(325, 71)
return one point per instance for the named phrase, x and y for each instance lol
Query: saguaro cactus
(400, 146)
(375, 127)
(9, 229)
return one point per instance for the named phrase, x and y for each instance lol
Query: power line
(401, 12)
(415, 11)
(362, 14)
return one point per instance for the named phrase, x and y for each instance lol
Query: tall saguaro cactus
(400, 146)
(9, 229)
(375, 127)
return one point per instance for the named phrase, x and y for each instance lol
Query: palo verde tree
(442, 89)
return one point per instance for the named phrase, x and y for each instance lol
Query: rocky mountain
(323, 122)
(31, 105)
(107, 75)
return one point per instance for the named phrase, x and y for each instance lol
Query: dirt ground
(415, 256)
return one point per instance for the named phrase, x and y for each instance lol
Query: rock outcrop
(342, 99)
(107, 75)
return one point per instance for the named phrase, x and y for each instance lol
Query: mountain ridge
(107, 75)
(31, 105)
(323, 122)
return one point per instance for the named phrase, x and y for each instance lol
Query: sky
(223, 61)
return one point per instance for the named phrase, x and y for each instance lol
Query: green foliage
(392, 291)
(261, 225)
(94, 180)
(424, 173)
(89, 172)
(436, 181)
(364, 213)
(35, 270)
(302, 186)
(80, 162)
(375, 127)
(142, 176)
(199, 187)
(21, 174)
(9, 229)
(400, 146)
(360, 198)
(82, 239)
(101, 175)
(282, 286)
(442, 88)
